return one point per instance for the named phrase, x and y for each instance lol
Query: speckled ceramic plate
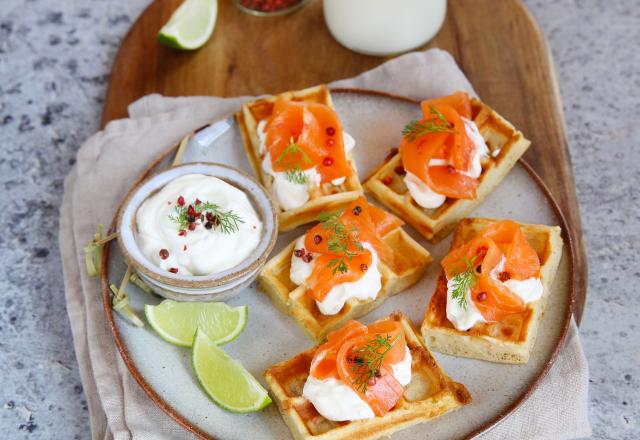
(375, 120)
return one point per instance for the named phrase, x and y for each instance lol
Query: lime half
(224, 379)
(191, 25)
(177, 322)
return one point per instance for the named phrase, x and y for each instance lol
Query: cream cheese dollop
(291, 195)
(428, 198)
(463, 319)
(367, 287)
(201, 251)
(529, 290)
(338, 402)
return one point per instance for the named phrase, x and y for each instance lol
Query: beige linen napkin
(118, 407)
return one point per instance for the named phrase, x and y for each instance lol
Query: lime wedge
(224, 379)
(177, 322)
(191, 25)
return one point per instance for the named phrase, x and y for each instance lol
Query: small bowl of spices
(270, 8)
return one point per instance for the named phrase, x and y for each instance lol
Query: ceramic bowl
(214, 287)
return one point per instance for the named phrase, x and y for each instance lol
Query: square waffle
(510, 340)
(431, 393)
(324, 198)
(506, 146)
(410, 262)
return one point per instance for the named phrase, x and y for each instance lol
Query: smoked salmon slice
(303, 135)
(339, 240)
(441, 135)
(361, 357)
(481, 255)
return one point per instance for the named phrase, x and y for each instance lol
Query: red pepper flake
(181, 201)
(330, 131)
(198, 202)
(173, 270)
(450, 169)
(388, 180)
(307, 258)
(317, 239)
(209, 216)
(392, 154)
(357, 210)
(184, 248)
(191, 211)
(330, 142)
(192, 226)
(364, 267)
(164, 254)
(299, 253)
(482, 296)
(504, 276)
(327, 161)
(400, 171)
(182, 233)
(269, 5)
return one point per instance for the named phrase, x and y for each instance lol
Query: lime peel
(177, 322)
(190, 26)
(224, 379)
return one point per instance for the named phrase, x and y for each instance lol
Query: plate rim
(185, 423)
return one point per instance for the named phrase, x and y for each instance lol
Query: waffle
(431, 393)
(410, 262)
(503, 140)
(324, 198)
(510, 340)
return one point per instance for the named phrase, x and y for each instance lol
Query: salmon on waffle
(298, 148)
(491, 294)
(342, 268)
(363, 383)
(447, 164)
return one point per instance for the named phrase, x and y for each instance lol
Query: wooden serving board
(497, 44)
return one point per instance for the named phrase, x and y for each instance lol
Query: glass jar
(268, 8)
(384, 27)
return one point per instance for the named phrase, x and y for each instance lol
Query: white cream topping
(300, 270)
(421, 193)
(291, 195)
(367, 287)
(425, 196)
(463, 319)
(336, 401)
(529, 290)
(481, 148)
(402, 369)
(207, 250)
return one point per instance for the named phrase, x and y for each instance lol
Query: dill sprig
(340, 240)
(464, 281)
(294, 173)
(367, 360)
(226, 221)
(438, 124)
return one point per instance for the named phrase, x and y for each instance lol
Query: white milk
(383, 27)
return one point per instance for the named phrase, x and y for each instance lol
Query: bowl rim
(191, 281)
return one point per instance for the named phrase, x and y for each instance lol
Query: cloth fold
(118, 407)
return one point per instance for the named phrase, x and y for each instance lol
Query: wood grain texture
(497, 44)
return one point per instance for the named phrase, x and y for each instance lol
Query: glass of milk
(384, 27)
